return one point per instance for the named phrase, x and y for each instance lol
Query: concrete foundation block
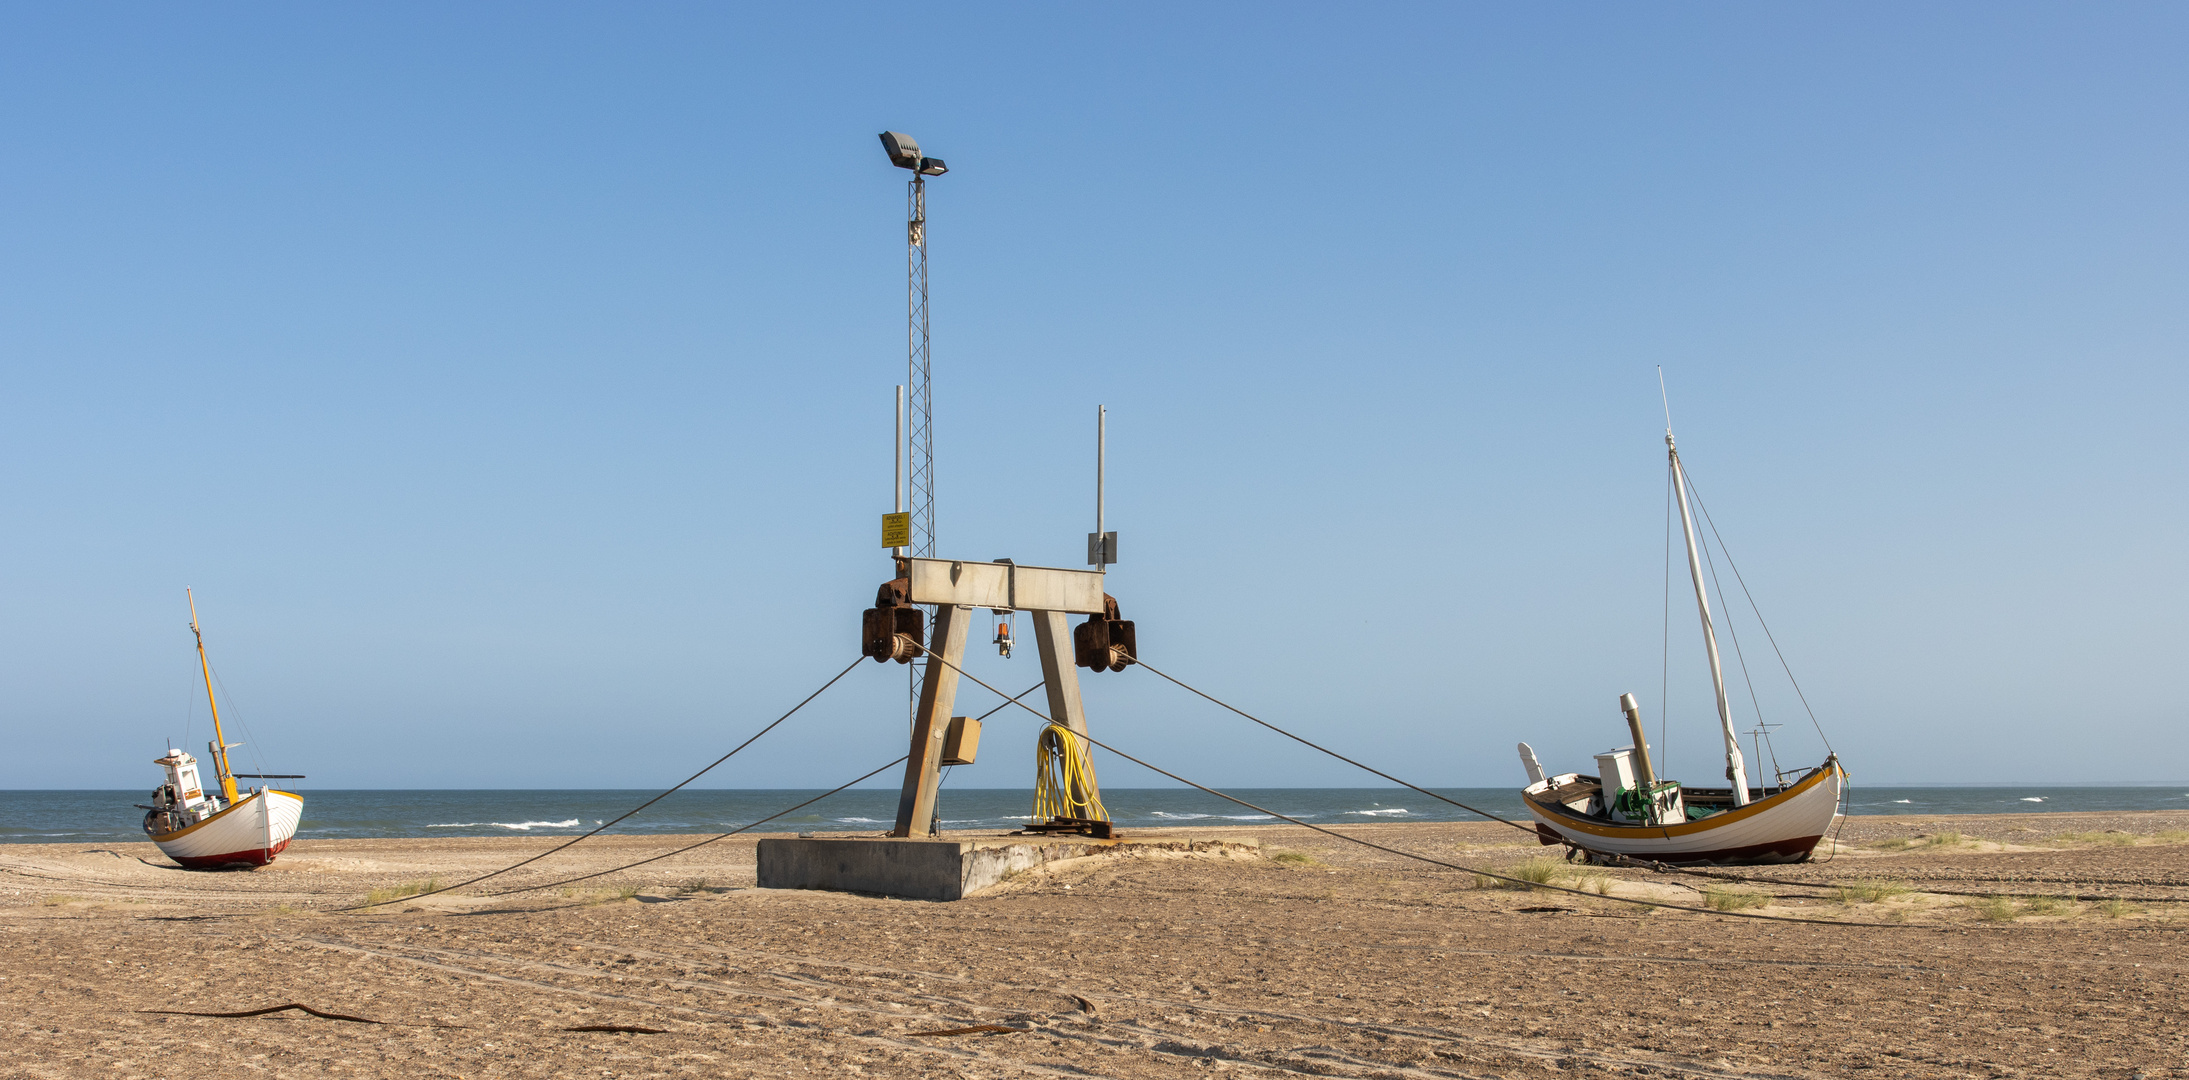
(944, 869)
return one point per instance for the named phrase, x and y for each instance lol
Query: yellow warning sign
(896, 530)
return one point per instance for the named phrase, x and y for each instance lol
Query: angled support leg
(938, 695)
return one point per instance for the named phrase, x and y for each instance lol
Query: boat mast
(220, 739)
(1736, 769)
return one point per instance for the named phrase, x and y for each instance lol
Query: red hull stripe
(252, 857)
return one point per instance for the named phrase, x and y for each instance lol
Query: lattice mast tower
(919, 407)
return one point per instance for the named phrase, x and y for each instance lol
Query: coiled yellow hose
(1061, 768)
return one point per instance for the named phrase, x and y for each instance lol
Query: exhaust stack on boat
(1633, 709)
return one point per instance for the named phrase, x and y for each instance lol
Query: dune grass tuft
(1528, 874)
(1293, 858)
(1994, 909)
(2171, 836)
(1893, 843)
(2113, 839)
(1944, 838)
(2115, 909)
(1870, 892)
(2048, 905)
(398, 892)
(1720, 898)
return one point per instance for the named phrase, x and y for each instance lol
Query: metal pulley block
(893, 629)
(1104, 642)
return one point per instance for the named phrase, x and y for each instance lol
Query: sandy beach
(1314, 957)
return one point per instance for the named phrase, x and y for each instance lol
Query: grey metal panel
(963, 584)
(1003, 586)
(1040, 588)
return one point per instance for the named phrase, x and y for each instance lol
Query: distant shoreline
(2001, 785)
(97, 816)
(1855, 828)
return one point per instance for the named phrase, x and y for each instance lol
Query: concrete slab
(948, 869)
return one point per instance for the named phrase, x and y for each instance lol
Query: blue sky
(511, 381)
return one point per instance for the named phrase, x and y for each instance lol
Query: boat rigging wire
(1529, 829)
(1739, 657)
(1402, 853)
(1664, 671)
(597, 831)
(1788, 668)
(250, 739)
(709, 840)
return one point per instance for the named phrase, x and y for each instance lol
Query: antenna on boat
(1665, 397)
(1760, 736)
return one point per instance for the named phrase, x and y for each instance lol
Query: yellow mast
(220, 740)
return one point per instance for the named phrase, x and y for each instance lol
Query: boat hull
(1785, 827)
(250, 833)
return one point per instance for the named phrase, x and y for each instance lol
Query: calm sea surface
(68, 817)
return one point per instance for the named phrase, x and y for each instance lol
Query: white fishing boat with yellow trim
(224, 828)
(1625, 811)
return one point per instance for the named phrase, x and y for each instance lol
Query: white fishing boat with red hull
(224, 828)
(1625, 811)
(210, 833)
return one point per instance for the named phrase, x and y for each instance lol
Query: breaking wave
(520, 826)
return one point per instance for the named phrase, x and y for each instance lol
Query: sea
(75, 817)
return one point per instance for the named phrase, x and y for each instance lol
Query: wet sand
(1316, 958)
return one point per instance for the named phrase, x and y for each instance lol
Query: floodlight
(903, 149)
(933, 167)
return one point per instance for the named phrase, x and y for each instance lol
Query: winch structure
(893, 630)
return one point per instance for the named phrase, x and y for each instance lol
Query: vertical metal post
(1101, 545)
(896, 460)
(1102, 455)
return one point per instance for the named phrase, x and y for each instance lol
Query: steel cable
(703, 843)
(550, 851)
(1529, 829)
(1408, 854)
